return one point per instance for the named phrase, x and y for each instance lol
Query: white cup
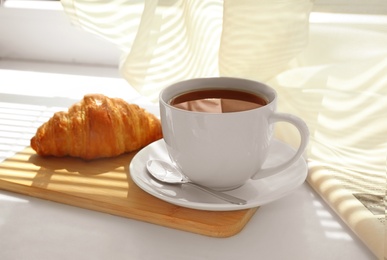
(224, 150)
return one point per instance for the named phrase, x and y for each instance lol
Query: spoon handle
(218, 194)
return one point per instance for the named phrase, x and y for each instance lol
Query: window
(40, 30)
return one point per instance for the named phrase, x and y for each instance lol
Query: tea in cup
(218, 130)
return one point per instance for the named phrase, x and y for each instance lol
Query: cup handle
(304, 133)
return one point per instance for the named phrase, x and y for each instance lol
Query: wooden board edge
(85, 203)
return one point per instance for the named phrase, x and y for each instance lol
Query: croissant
(96, 127)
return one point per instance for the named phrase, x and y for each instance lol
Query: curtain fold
(260, 38)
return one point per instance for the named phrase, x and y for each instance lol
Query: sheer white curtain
(341, 94)
(169, 40)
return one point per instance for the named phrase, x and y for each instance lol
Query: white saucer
(255, 192)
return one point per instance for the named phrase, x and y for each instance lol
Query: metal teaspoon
(166, 172)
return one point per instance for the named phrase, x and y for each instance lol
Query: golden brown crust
(97, 127)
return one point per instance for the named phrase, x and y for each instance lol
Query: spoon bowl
(168, 173)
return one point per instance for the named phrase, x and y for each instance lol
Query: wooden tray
(105, 185)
